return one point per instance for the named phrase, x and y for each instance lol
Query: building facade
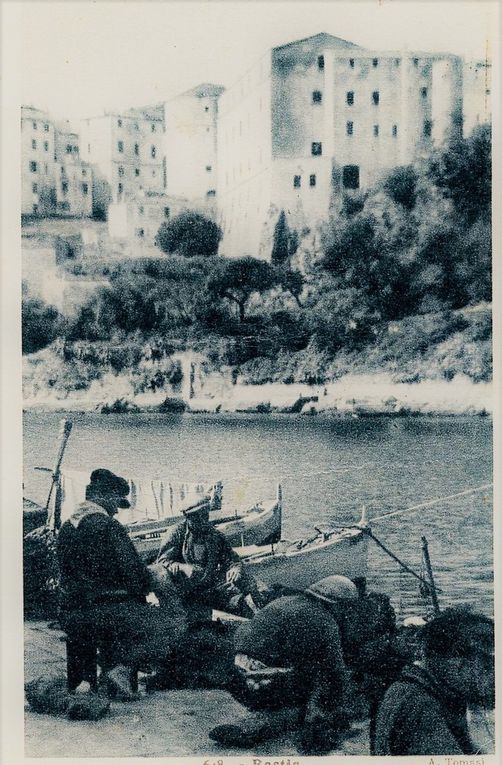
(323, 116)
(138, 219)
(126, 152)
(190, 144)
(477, 94)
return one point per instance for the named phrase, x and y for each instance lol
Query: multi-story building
(54, 179)
(126, 153)
(38, 195)
(477, 94)
(138, 219)
(321, 116)
(190, 146)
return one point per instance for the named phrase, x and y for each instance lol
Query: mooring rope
(431, 502)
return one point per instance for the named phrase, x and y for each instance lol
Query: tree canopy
(189, 234)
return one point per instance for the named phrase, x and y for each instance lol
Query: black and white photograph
(248, 398)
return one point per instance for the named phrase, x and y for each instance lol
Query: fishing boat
(255, 526)
(300, 563)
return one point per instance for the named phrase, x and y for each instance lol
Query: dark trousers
(128, 632)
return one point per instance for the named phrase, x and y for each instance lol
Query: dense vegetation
(384, 278)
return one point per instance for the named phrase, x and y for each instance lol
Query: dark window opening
(312, 180)
(351, 63)
(153, 152)
(427, 128)
(397, 61)
(141, 232)
(394, 131)
(136, 171)
(68, 148)
(64, 187)
(35, 208)
(120, 188)
(85, 188)
(33, 143)
(141, 210)
(415, 61)
(206, 108)
(211, 193)
(316, 97)
(316, 149)
(46, 127)
(375, 62)
(119, 123)
(350, 97)
(423, 92)
(350, 128)
(208, 168)
(46, 145)
(120, 146)
(375, 130)
(297, 181)
(153, 127)
(350, 177)
(33, 167)
(167, 212)
(121, 170)
(375, 97)
(320, 62)
(34, 125)
(34, 188)
(136, 149)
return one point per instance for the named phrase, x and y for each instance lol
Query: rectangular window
(208, 168)
(88, 148)
(46, 145)
(351, 63)
(84, 173)
(350, 97)
(64, 187)
(136, 171)
(375, 131)
(85, 188)
(316, 149)
(68, 148)
(33, 167)
(34, 188)
(375, 97)
(415, 61)
(427, 128)
(119, 123)
(35, 209)
(297, 181)
(423, 92)
(350, 128)
(312, 180)
(34, 125)
(167, 212)
(153, 127)
(350, 177)
(211, 193)
(120, 188)
(46, 127)
(46, 168)
(121, 171)
(141, 210)
(153, 152)
(375, 62)
(120, 146)
(136, 149)
(33, 143)
(394, 131)
(140, 232)
(397, 61)
(320, 62)
(316, 97)
(206, 108)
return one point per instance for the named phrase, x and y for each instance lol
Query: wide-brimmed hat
(333, 588)
(105, 483)
(202, 505)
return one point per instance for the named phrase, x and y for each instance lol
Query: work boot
(118, 684)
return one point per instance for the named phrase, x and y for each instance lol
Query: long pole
(64, 434)
(394, 557)
(432, 586)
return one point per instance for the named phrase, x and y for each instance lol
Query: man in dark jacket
(196, 559)
(424, 712)
(289, 657)
(104, 584)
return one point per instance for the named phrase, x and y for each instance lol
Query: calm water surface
(328, 469)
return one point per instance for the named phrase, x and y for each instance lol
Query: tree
(401, 186)
(285, 241)
(237, 279)
(40, 324)
(189, 234)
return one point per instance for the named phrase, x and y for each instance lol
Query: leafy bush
(40, 324)
(189, 234)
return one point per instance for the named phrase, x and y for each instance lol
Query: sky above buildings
(77, 59)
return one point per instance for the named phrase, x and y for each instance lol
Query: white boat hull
(345, 553)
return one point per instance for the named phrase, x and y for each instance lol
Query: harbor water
(328, 468)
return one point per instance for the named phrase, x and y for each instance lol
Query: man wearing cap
(425, 711)
(198, 561)
(104, 584)
(289, 661)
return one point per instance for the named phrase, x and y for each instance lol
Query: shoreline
(374, 395)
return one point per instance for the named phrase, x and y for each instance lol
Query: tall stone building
(321, 116)
(126, 152)
(477, 94)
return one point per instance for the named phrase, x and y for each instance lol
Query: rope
(398, 560)
(431, 502)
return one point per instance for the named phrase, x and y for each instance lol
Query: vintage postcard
(249, 406)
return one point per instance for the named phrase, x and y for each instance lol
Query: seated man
(198, 561)
(290, 668)
(104, 584)
(424, 711)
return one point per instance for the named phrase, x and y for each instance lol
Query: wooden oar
(64, 434)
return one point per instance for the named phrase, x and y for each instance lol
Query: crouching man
(104, 584)
(197, 563)
(290, 668)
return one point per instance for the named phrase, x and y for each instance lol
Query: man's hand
(183, 568)
(152, 600)
(234, 575)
